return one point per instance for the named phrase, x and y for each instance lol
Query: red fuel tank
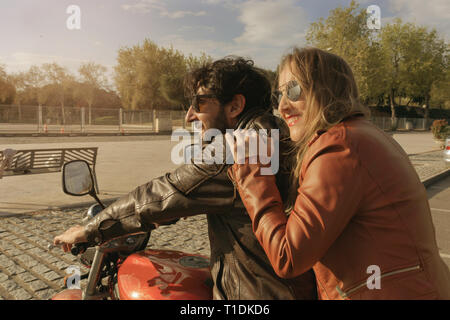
(164, 275)
(68, 294)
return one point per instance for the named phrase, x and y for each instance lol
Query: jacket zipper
(352, 290)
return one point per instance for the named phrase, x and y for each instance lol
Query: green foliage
(401, 60)
(151, 77)
(7, 89)
(51, 85)
(440, 129)
(93, 81)
(440, 91)
(345, 33)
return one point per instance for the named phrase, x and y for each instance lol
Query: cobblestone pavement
(29, 271)
(428, 164)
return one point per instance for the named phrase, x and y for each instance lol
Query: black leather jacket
(239, 266)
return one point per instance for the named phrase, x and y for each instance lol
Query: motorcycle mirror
(77, 178)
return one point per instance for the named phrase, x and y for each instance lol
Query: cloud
(267, 57)
(224, 3)
(209, 29)
(196, 47)
(146, 6)
(270, 28)
(272, 23)
(181, 14)
(432, 13)
(22, 61)
(140, 7)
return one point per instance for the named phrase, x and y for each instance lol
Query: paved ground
(439, 199)
(428, 164)
(29, 271)
(416, 141)
(125, 162)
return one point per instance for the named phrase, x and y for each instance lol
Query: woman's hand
(249, 144)
(71, 236)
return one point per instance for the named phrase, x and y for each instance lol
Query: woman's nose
(283, 104)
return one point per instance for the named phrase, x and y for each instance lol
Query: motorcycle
(124, 268)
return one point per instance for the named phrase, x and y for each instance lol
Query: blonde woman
(361, 217)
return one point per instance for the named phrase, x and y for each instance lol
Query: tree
(7, 89)
(19, 82)
(172, 76)
(147, 79)
(93, 80)
(345, 33)
(35, 80)
(125, 77)
(416, 59)
(193, 62)
(150, 77)
(393, 41)
(7, 93)
(342, 31)
(425, 63)
(176, 67)
(61, 81)
(440, 93)
(401, 60)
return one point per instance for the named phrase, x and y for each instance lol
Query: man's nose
(190, 115)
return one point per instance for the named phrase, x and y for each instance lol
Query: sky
(37, 32)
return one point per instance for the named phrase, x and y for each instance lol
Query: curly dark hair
(230, 76)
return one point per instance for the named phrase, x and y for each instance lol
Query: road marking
(444, 255)
(445, 210)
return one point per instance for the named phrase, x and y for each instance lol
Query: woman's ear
(237, 106)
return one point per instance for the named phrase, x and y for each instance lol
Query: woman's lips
(292, 120)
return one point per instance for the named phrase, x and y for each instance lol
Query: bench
(34, 161)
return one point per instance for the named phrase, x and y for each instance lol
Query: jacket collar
(320, 132)
(249, 116)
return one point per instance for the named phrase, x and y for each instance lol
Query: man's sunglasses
(197, 98)
(292, 90)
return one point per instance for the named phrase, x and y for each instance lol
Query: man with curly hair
(230, 93)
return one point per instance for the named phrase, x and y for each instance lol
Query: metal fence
(386, 123)
(45, 119)
(51, 119)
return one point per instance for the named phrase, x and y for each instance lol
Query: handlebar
(79, 248)
(75, 250)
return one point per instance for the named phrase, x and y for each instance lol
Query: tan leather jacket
(360, 209)
(239, 266)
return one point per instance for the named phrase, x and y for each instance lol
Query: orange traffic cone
(62, 130)
(45, 128)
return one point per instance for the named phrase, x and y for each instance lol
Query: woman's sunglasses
(292, 90)
(197, 98)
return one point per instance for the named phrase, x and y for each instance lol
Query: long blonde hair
(330, 91)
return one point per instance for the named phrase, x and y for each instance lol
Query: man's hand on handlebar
(71, 236)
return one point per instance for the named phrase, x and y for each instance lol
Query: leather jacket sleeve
(189, 190)
(169, 197)
(327, 199)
